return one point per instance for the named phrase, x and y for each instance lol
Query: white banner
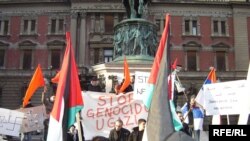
(226, 98)
(101, 110)
(33, 118)
(10, 122)
(140, 85)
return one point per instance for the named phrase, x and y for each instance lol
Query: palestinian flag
(68, 97)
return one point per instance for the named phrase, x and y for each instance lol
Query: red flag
(126, 82)
(174, 65)
(56, 78)
(68, 97)
(36, 82)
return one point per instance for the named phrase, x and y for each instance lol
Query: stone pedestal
(136, 38)
(116, 69)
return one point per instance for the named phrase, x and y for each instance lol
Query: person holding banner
(194, 116)
(28, 135)
(119, 133)
(138, 131)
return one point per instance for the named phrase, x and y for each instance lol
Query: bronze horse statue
(134, 8)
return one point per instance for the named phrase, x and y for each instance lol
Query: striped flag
(211, 78)
(68, 97)
(156, 65)
(160, 125)
(36, 82)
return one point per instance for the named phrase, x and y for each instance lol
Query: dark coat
(136, 135)
(94, 88)
(122, 135)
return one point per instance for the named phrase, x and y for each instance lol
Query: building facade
(204, 33)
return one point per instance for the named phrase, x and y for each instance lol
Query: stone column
(240, 39)
(73, 28)
(82, 45)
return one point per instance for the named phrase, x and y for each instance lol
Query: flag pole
(78, 121)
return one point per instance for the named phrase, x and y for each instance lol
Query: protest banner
(140, 85)
(226, 98)
(33, 118)
(10, 122)
(101, 110)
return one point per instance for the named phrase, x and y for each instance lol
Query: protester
(185, 128)
(72, 134)
(119, 133)
(48, 102)
(99, 138)
(138, 131)
(28, 135)
(94, 85)
(194, 117)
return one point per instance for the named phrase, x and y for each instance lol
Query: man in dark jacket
(138, 131)
(94, 85)
(119, 133)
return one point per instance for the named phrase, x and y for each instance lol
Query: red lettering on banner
(99, 112)
(139, 109)
(123, 112)
(90, 113)
(108, 112)
(101, 101)
(130, 97)
(116, 109)
(121, 100)
(101, 126)
(111, 122)
(127, 118)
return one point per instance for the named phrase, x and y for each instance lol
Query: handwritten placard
(10, 122)
(140, 86)
(101, 110)
(226, 98)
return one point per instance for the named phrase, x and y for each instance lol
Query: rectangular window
(29, 27)
(96, 56)
(53, 26)
(25, 26)
(221, 61)
(61, 25)
(109, 23)
(27, 59)
(33, 26)
(108, 55)
(187, 27)
(191, 61)
(216, 27)
(57, 26)
(55, 59)
(219, 27)
(194, 27)
(6, 28)
(223, 28)
(191, 27)
(2, 54)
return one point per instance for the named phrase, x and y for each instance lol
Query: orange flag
(126, 82)
(36, 82)
(56, 78)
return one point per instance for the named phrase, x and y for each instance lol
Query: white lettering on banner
(140, 85)
(226, 98)
(101, 110)
(10, 122)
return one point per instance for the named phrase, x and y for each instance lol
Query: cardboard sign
(10, 122)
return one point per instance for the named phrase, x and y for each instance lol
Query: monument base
(106, 71)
